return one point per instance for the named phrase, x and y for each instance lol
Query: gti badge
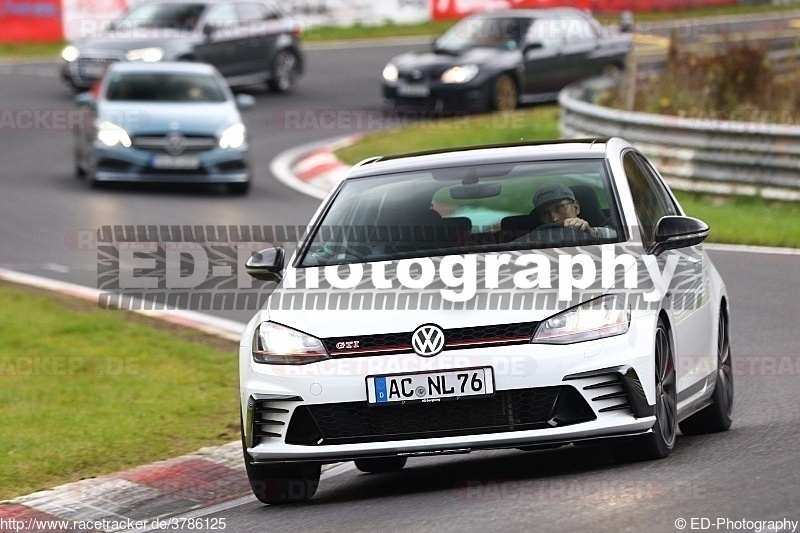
(427, 340)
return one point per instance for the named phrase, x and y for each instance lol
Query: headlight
(112, 135)
(390, 73)
(602, 317)
(276, 344)
(461, 74)
(233, 137)
(70, 53)
(148, 55)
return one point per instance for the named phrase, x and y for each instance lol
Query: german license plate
(176, 162)
(413, 90)
(430, 386)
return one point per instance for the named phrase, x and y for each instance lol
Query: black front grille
(515, 410)
(494, 335)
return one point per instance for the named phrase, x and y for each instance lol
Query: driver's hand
(577, 224)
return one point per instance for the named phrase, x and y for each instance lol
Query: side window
(249, 12)
(548, 32)
(658, 187)
(648, 203)
(222, 16)
(578, 29)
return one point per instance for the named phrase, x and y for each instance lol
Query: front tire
(660, 442)
(504, 94)
(285, 72)
(717, 416)
(274, 484)
(239, 189)
(283, 484)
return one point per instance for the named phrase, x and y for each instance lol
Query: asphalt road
(747, 473)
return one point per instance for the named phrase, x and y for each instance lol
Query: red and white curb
(140, 498)
(137, 497)
(312, 169)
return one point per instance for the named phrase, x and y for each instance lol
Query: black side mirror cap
(266, 265)
(677, 232)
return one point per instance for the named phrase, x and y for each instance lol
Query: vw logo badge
(174, 143)
(427, 340)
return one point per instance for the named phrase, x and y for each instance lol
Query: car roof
(184, 67)
(485, 154)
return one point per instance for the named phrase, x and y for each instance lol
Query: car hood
(142, 118)
(135, 39)
(438, 61)
(327, 312)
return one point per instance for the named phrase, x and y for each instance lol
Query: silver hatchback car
(163, 122)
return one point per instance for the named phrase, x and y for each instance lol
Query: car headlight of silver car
(390, 73)
(148, 55)
(460, 74)
(279, 345)
(70, 53)
(233, 137)
(111, 135)
(602, 317)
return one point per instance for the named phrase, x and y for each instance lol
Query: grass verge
(738, 220)
(85, 392)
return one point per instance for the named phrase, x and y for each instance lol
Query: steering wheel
(553, 225)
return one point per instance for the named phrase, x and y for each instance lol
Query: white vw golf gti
(509, 296)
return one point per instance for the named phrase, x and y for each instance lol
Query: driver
(555, 203)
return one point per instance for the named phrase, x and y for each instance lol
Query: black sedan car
(248, 41)
(498, 60)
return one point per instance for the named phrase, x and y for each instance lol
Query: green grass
(84, 392)
(28, 50)
(745, 220)
(738, 220)
(535, 123)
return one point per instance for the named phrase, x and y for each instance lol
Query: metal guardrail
(715, 156)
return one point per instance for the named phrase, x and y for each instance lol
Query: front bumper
(134, 165)
(438, 96)
(544, 395)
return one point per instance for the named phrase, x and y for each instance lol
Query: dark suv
(249, 41)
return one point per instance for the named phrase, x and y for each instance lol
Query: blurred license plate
(430, 386)
(91, 70)
(413, 91)
(176, 161)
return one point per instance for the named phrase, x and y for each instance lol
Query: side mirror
(533, 45)
(209, 30)
(245, 101)
(677, 232)
(266, 265)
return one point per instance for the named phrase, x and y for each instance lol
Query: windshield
(164, 87)
(157, 15)
(459, 210)
(484, 32)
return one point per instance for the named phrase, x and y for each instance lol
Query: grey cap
(551, 192)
